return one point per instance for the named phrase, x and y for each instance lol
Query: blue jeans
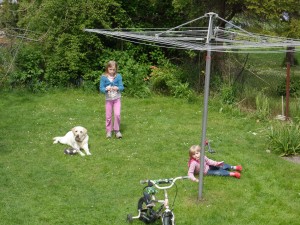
(219, 171)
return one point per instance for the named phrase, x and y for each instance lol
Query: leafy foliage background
(45, 45)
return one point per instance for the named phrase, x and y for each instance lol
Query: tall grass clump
(294, 109)
(284, 138)
(262, 106)
(228, 94)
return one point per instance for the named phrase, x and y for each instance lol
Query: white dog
(77, 138)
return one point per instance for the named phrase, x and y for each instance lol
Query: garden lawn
(40, 185)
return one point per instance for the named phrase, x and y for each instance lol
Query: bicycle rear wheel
(148, 214)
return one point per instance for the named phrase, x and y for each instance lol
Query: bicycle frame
(164, 212)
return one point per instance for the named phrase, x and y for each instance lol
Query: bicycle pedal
(151, 205)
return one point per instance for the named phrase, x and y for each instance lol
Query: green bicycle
(148, 211)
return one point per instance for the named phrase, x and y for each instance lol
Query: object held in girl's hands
(70, 151)
(112, 94)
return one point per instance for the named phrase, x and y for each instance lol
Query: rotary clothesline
(192, 42)
(233, 39)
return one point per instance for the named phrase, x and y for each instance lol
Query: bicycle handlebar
(170, 181)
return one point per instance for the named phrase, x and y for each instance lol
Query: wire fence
(261, 82)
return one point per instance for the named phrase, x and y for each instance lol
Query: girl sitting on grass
(211, 167)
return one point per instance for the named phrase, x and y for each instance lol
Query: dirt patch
(294, 159)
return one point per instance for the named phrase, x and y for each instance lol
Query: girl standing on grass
(211, 167)
(111, 84)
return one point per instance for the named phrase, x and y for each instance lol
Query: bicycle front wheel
(167, 219)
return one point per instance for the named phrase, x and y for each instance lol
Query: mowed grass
(41, 185)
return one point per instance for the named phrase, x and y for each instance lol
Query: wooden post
(288, 78)
(287, 94)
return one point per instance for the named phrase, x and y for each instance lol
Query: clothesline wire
(194, 38)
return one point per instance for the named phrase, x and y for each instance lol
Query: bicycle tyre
(141, 204)
(166, 220)
(148, 214)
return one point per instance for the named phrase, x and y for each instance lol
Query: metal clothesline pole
(205, 105)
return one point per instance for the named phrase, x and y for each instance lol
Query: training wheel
(129, 218)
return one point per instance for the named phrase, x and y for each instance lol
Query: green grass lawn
(40, 185)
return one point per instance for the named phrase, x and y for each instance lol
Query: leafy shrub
(66, 63)
(284, 139)
(91, 80)
(162, 80)
(30, 69)
(294, 87)
(5, 67)
(166, 80)
(295, 110)
(228, 94)
(135, 81)
(181, 90)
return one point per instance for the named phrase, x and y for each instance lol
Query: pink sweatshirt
(194, 166)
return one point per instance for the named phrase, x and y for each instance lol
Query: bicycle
(148, 212)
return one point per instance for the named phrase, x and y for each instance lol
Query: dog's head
(79, 133)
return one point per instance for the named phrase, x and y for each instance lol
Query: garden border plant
(284, 138)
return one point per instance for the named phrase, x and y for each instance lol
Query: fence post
(288, 78)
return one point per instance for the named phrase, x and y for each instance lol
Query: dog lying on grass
(77, 138)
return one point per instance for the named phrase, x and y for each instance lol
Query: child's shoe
(238, 168)
(118, 134)
(206, 142)
(235, 174)
(108, 134)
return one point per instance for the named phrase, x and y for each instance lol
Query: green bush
(295, 110)
(166, 80)
(228, 94)
(91, 80)
(294, 87)
(284, 139)
(30, 69)
(162, 80)
(5, 67)
(66, 63)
